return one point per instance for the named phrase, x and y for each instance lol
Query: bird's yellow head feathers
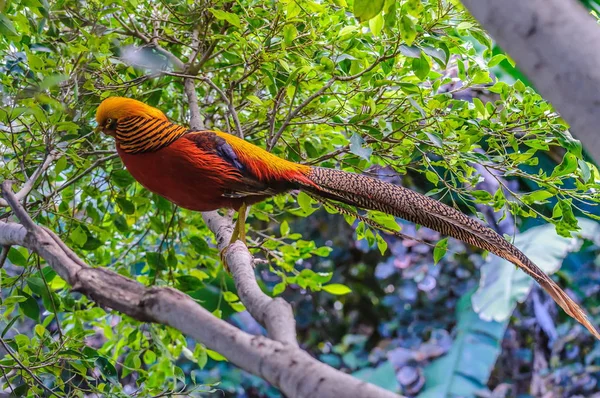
(113, 109)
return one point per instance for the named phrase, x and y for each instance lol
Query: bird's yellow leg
(239, 233)
(241, 224)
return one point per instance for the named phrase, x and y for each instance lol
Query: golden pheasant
(207, 170)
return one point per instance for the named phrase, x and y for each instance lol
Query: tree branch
(537, 33)
(285, 366)
(275, 314)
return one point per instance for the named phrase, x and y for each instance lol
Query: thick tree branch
(555, 43)
(292, 370)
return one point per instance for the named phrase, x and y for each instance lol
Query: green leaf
(289, 34)
(199, 244)
(226, 16)
(496, 59)
(122, 178)
(567, 166)
(432, 177)
(16, 257)
(586, 172)
(502, 284)
(304, 201)
(39, 330)
(337, 289)
(149, 357)
(381, 244)
(481, 195)
(120, 222)
(60, 165)
(30, 306)
(188, 283)
(215, 356)
(439, 250)
(230, 297)
(126, 205)
(278, 288)
(376, 24)
(383, 376)
(465, 369)
(479, 106)
(6, 26)
(421, 66)
(78, 236)
(407, 30)
(284, 228)
(156, 261)
(107, 369)
(10, 300)
(367, 9)
(537, 197)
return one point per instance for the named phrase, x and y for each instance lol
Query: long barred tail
(373, 194)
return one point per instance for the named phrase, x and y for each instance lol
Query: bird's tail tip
(572, 308)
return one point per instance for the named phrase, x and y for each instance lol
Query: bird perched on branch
(208, 170)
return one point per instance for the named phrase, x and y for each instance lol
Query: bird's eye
(109, 122)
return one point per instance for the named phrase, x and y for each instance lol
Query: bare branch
(537, 33)
(285, 366)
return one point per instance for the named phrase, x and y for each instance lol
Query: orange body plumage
(207, 170)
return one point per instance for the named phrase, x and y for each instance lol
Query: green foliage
(357, 85)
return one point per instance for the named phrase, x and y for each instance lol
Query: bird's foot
(239, 232)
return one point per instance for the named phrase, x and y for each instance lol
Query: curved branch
(289, 368)
(540, 35)
(275, 314)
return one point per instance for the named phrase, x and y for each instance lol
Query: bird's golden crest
(117, 108)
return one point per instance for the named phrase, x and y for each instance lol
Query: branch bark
(285, 366)
(555, 43)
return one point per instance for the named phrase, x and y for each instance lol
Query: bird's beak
(98, 129)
